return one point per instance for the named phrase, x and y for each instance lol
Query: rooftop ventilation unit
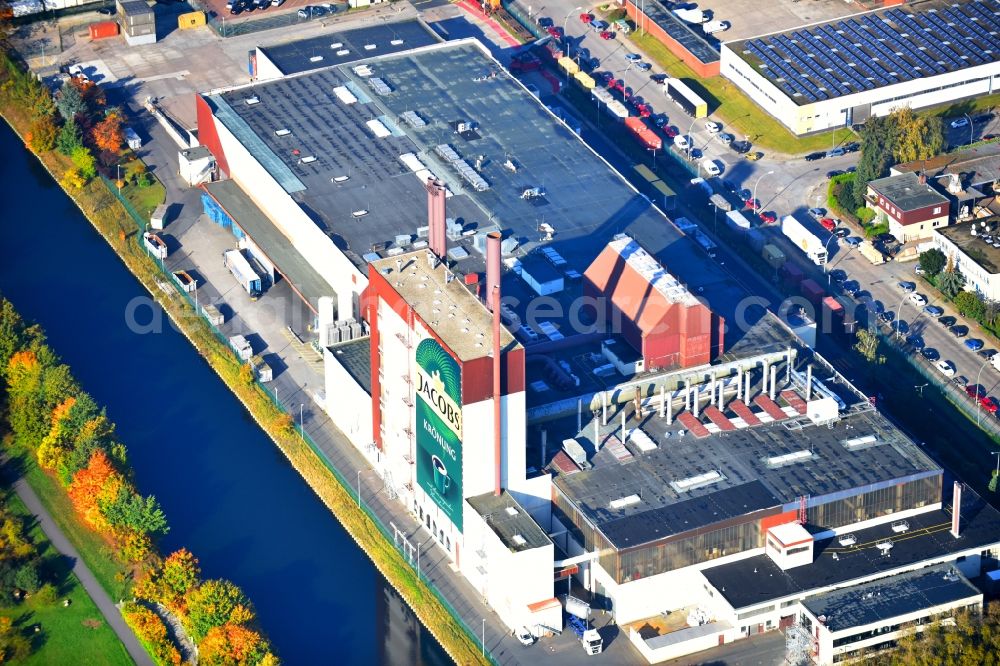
(370, 47)
(519, 540)
(847, 540)
(623, 502)
(340, 179)
(900, 527)
(856, 443)
(250, 101)
(641, 440)
(412, 119)
(363, 70)
(397, 42)
(359, 213)
(316, 58)
(884, 546)
(308, 159)
(788, 458)
(345, 95)
(511, 511)
(282, 132)
(336, 45)
(694, 482)
(343, 52)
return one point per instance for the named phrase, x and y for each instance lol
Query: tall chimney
(497, 423)
(956, 508)
(436, 238)
(492, 262)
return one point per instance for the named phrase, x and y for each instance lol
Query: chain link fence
(141, 222)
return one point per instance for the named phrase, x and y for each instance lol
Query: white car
(918, 299)
(713, 127)
(959, 122)
(524, 636)
(681, 141)
(711, 168)
(946, 368)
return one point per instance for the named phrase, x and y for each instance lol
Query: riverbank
(119, 231)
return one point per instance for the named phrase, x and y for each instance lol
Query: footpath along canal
(228, 492)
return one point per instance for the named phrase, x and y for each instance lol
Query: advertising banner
(438, 384)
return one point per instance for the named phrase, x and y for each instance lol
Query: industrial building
(540, 366)
(974, 249)
(840, 73)
(967, 177)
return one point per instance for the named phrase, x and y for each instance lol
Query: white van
(711, 168)
(918, 299)
(681, 141)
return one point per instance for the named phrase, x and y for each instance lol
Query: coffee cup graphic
(441, 479)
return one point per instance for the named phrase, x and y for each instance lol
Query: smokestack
(809, 382)
(436, 238)
(739, 383)
(956, 508)
(774, 381)
(663, 400)
(670, 409)
(497, 424)
(492, 261)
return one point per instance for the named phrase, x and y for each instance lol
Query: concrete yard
(750, 18)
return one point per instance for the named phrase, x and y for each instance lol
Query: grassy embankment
(118, 229)
(74, 634)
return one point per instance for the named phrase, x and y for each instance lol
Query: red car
(554, 31)
(990, 404)
(752, 204)
(975, 391)
(607, 34)
(828, 223)
(670, 131)
(769, 217)
(645, 112)
(586, 18)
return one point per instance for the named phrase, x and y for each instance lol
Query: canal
(229, 494)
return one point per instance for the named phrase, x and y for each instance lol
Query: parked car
(741, 147)
(812, 157)
(834, 172)
(304, 12)
(836, 152)
(752, 204)
(817, 212)
(959, 330)
(988, 354)
(643, 66)
(975, 391)
(606, 34)
(915, 341)
(990, 404)
(934, 310)
(711, 168)
(975, 344)
(633, 57)
(887, 317)
(876, 307)
(524, 636)
(828, 223)
(959, 122)
(769, 217)
(670, 131)
(586, 18)
(917, 299)
(946, 368)
(908, 287)
(753, 157)
(852, 147)
(726, 138)
(851, 287)
(854, 241)
(841, 232)
(930, 353)
(919, 271)
(554, 31)
(947, 321)
(713, 127)
(695, 154)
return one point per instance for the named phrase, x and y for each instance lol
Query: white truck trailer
(804, 239)
(241, 270)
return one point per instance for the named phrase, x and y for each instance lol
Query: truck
(737, 222)
(720, 202)
(691, 15)
(622, 26)
(241, 270)
(589, 638)
(713, 27)
(685, 98)
(995, 361)
(804, 239)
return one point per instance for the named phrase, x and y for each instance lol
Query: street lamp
(979, 413)
(565, 19)
(759, 178)
(971, 127)
(826, 265)
(899, 314)
(625, 80)
(302, 429)
(359, 488)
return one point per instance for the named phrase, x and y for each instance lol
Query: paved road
(90, 584)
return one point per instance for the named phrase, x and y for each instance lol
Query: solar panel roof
(876, 49)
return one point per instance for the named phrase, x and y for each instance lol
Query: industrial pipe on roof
(497, 424)
(437, 239)
(492, 262)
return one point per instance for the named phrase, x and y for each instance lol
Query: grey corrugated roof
(355, 357)
(906, 191)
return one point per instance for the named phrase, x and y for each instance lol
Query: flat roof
(745, 467)
(888, 598)
(906, 191)
(982, 248)
(977, 166)
(301, 275)
(756, 580)
(459, 318)
(583, 200)
(343, 46)
(876, 49)
(690, 37)
(510, 522)
(788, 534)
(355, 357)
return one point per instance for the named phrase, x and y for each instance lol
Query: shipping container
(568, 65)
(686, 98)
(191, 20)
(617, 109)
(131, 138)
(812, 292)
(103, 30)
(585, 80)
(773, 256)
(755, 239)
(159, 217)
(643, 134)
(804, 239)
(792, 274)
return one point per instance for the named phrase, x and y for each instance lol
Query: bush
(873, 230)
(865, 214)
(46, 595)
(932, 261)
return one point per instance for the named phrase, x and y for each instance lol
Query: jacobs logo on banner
(438, 383)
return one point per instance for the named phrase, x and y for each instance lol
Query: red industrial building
(658, 316)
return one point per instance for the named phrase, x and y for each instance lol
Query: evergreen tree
(70, 138)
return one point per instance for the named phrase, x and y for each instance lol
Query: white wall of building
(347, 403)
(318, 249)
(824, 114)
(266, 69)
(976, 277)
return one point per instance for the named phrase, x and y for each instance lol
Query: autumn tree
(231, 644)
(70, 138)
(174, 580)
(11, 333)
(213, 604)
(970, 304)
(95, 484)
(108, 134)
(41, 136)
(73, 179)
(915, 136)
(84, 162)
(70, 102)
(26, 412)
(149, 627)
(973, 640)
(14, 646)
(55, 444)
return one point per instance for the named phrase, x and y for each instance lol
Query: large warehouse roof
(876, 49)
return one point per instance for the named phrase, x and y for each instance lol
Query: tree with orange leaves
(108, 134)
(98, 482)
(232, 644)
(55, 445)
